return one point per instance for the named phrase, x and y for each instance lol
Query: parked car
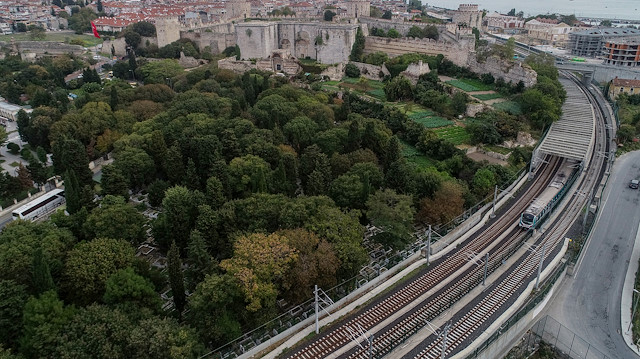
(634, 184)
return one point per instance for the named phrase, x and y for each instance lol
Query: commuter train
(542, 205)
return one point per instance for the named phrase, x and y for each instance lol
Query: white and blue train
(542, 205)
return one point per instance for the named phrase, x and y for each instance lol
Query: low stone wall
(511, 72)
(334, 73)
(237, 66)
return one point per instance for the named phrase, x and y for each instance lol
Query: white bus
(40, 206)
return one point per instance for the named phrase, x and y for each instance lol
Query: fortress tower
(469, 15)
(237, 9)
(358, 8)
(167, 30)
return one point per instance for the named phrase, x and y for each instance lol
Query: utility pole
(486, 264)
(370, 351)
(540, 266)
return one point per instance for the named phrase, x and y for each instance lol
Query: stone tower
(469, 15)
(237, 9)
(167, 30)
(358, 8)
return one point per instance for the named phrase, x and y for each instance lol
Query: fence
(559, 340)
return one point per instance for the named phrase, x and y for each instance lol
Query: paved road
(4, 152)
(589, 303)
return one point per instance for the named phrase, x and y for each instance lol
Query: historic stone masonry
(326, 43)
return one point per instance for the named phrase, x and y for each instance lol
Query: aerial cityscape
(319, 179)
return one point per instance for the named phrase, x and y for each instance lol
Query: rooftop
(625, 82)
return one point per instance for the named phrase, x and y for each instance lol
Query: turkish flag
(95, 31)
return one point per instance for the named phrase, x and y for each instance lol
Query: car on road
(634, 184)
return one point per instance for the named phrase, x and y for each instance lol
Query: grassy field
(67, 37)
(413, 155)
(487, 96)
(511, 107)
(428, 120)
(470, 85)
(456, 135)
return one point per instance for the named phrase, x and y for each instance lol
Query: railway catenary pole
(544, 246)
(315, 292)
(486, 264)
(429, 245)
(495, 195)
(445, 331)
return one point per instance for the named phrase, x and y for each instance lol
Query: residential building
(503, 24)
(548, 31)
(622, 52)
(591, 42)
(628, 86)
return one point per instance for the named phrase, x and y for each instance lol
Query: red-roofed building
(112, 24)
(628, 86)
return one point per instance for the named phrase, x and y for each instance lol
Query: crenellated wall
(458, 53)
(402, 26)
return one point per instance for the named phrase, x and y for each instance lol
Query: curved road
(589, 302)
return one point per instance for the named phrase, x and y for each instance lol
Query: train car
(542, 205)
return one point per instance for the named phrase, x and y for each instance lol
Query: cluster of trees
(285, 11)
(543, 102)
(263, 189)
(429, 32)
(629, 117)
(392, 33)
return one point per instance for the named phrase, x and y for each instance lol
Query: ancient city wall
(120, 46)
(43, 47)
(402, 26)
(512, 72)
(458, 53)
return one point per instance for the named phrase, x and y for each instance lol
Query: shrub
(352, 70)
(13, 148)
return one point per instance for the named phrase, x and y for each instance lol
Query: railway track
(340, 337)
(476, 316)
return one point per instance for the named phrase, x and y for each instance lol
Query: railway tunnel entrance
(572, 135)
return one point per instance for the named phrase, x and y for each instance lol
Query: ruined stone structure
(372, 72)
(414, 70)
(512, 72)
(237, 9)
(120, 46)
(279, 61)
(218, 37)
(358, 8)
(327, 43)
(469, 15)
(458, 52)
(167, 30)
(32, 50)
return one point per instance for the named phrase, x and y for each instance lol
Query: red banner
(95, 31)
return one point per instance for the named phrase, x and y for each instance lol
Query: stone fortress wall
(328, 43)
(513, 72)
(402, 26)
(458, 53)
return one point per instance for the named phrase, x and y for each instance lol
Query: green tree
(12, 299)
(351, 70)
(200, 261)
(328, 15)
(163, 338)
(43, 320)
(215, 192)
(446, 204)
(300, 132)
(127, 287)
(116, 219)
(176, 279)
(69, 154)
(136, 165)
(96, 331)
(393, 33)
(90, 264)
(42, 279)
(178, 218)
(399, 88)
(358, 46)
(393, 213)
(344, 232)
(213, 308)
(37, 34)
(73, 192)
(606, 23)
(416, 32)
(387, 15)
(114, 182)
(156, 72)
(346, 191)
